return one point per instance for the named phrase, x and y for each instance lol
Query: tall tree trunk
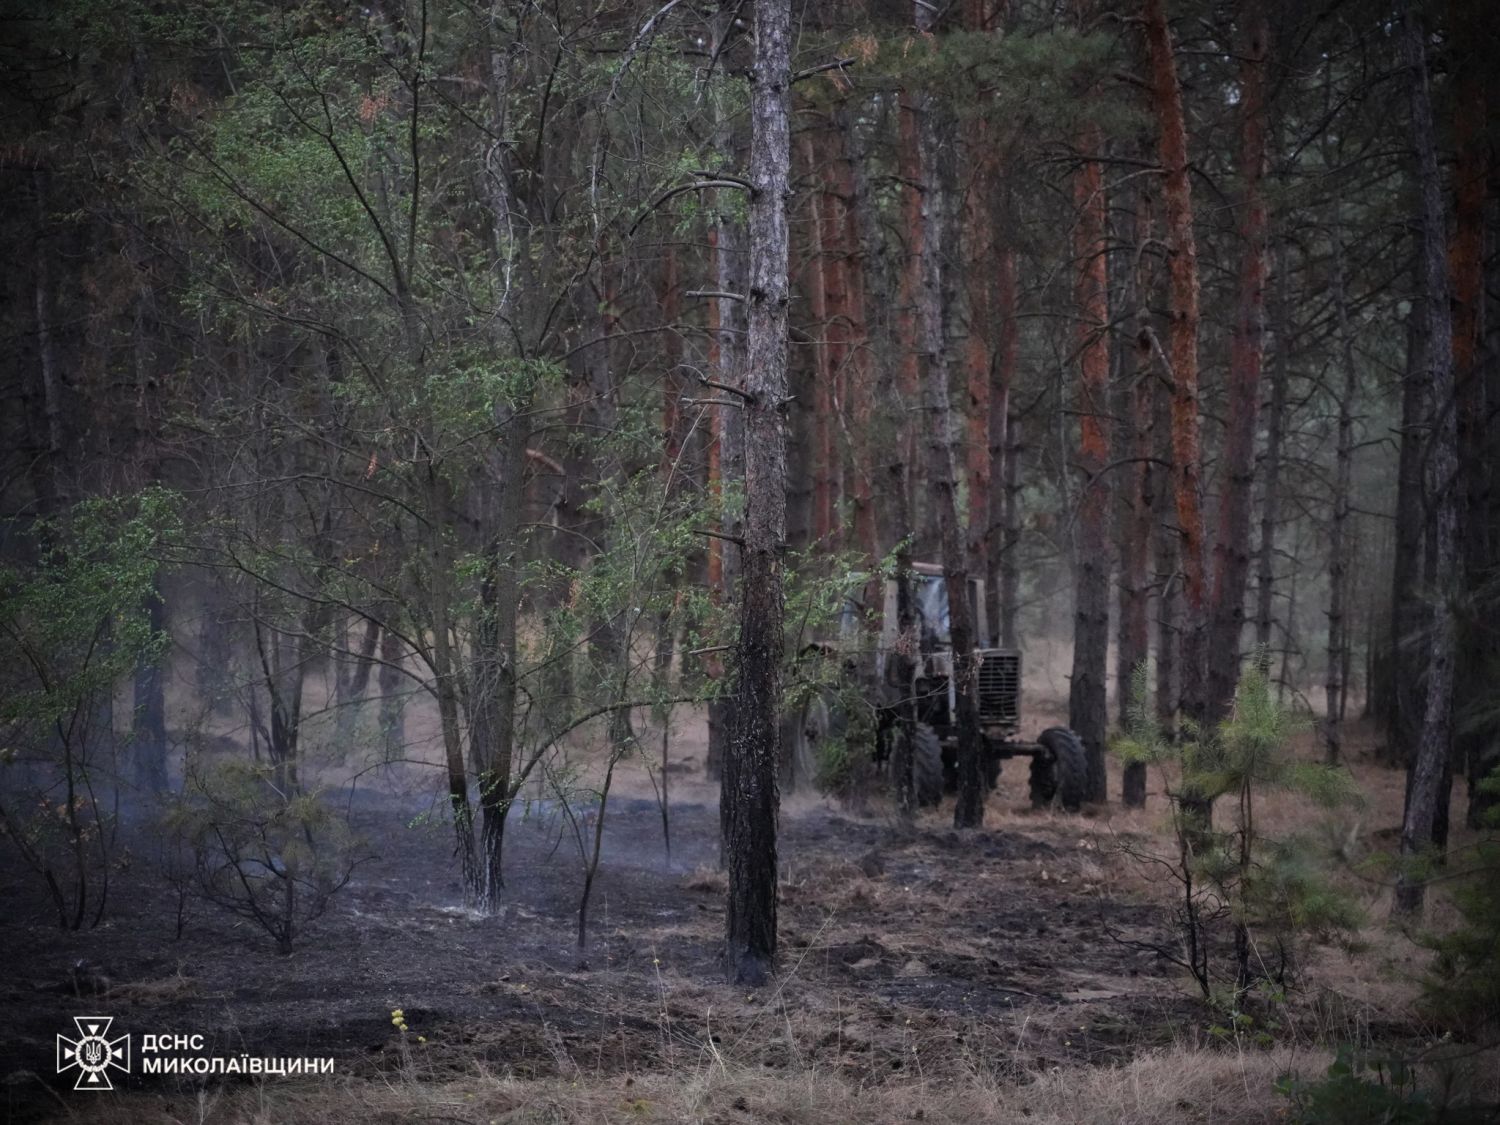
(978, 359)
(148, 733)
(149, 723)
(1088, 712)
(1478, 731)
(1336, 679)
(1275, 424)
(1425, 791)
(850, 351)
(1232, 547)
(46, 470)
(673, 471)
(726, 455)
(390, 682)
(1137, 499)
(443, 659)
(353, 679)
(1408, 612)
(1004, 578)
(942, 461)
(820, 282)
(886, 457)
(749, 793)
(494, 682)
(908, 325)
(1164, 550)
(1166, 97)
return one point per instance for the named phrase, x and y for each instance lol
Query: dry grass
(1175, 1084)
(178, 986)
(1350, 992)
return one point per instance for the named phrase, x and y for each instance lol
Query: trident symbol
(93, 1053)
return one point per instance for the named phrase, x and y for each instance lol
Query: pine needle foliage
(1267, 892)
(1463, 984)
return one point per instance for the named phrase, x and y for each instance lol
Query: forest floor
(924, 974)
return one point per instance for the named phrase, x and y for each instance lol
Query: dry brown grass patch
(1175, 1084)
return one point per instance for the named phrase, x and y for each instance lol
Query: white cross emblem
(93, 1053)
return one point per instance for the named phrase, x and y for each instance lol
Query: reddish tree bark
(1247, 349)
(1182, 351)
(908, 340)
(839, 341)
(848, 342)
(816, 276)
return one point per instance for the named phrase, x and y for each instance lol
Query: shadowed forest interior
(722, 560)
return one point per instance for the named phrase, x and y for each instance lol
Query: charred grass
(1011, 973)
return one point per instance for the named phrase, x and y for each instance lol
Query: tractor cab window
(931, 597)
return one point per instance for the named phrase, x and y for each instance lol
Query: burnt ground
(923, 949)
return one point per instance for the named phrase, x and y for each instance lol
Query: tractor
(1059, 770)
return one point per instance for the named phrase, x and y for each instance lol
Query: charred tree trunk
(1428, 770)
(749, 795)
(493, 680)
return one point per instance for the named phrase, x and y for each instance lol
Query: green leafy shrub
(1462, 987)
(1230, 874)
(272, 856)
(1360, 1089)
(75, 621)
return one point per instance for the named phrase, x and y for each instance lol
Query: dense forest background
(393, 389)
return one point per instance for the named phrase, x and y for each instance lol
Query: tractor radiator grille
(1000, 687)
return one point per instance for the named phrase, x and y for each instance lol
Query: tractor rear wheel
(803, 733)
(927, 766)
(1062, 773)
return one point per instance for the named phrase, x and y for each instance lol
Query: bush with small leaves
(1231, 875)
(1463, 985)
(274, 857)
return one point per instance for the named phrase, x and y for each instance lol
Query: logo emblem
(93, 1053)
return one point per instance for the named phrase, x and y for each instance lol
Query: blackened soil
(901, 948)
